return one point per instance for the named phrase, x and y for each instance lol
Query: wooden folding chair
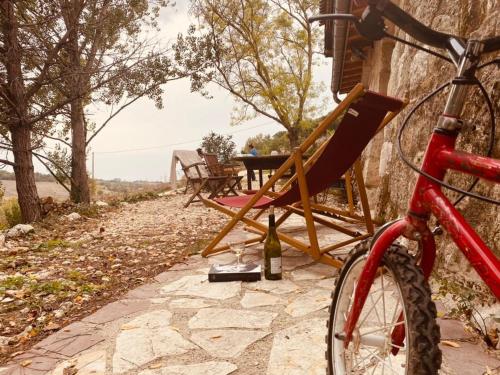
(198, 176)
(228, 170)
(364, 113)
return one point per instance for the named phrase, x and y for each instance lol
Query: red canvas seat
(357, 128)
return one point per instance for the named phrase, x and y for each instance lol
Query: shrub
(11, 212)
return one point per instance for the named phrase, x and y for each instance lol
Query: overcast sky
(184, 120)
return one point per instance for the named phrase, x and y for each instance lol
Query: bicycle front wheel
(399, 299)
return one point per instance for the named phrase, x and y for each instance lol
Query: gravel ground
(67, 268)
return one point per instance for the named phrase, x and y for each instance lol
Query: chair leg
(196, 193)
(358, 173)
(219, 188)
(232, 187)
(350, 196)
(304, 194)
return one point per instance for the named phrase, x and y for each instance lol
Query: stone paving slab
(199, 286)
(145, 339)
(226, 343)
(231, 318)
(316, 271)
(313, 300)
(71, 340)
(469, 359)
(117, 310)
(181, 324)
(299, 349)
(207, 368)
(93, 362)
(255, 299)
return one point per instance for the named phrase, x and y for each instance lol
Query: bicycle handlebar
(418, 30)
(491, 44)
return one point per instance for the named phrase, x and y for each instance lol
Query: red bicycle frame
(428, 199)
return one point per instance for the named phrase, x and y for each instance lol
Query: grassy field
(45, 189)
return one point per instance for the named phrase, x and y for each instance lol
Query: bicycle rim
(370, 350)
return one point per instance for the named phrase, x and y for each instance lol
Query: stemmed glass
(238, 248)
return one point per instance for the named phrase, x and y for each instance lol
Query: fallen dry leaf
(126, 327)
(453, 344)
(51, 327)
(78, 299)
(155, 365)
(26, 363)
(70, 370)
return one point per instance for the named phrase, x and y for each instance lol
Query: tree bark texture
(293, 137)
(80, 192)
(27, 194)
(17, 114)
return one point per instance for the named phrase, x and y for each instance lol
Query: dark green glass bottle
(272, 251)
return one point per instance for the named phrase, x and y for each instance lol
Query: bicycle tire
(423, 355)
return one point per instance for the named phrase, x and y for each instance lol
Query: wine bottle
(272, 251)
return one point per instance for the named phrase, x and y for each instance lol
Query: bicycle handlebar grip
(415, 28)
(491, 44)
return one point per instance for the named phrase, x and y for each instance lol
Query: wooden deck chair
(228, 170)
(364, 113)
(198, 176)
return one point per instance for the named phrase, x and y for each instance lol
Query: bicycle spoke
(370, 355)
(383, 300)
(376, 311)
(384, 364)
(368, 313)
(381, 328)
(395, 310)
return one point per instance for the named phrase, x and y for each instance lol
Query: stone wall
(404, 72)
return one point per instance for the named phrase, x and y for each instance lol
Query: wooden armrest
(193, 165)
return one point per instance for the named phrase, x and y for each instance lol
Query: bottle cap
(271, 210)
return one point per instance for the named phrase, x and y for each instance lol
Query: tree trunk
(293, 137)
(27, 194)
(80, 192)
(16, 112)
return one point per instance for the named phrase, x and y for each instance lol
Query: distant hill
(41, 177)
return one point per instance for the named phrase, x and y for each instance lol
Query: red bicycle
(382, 318)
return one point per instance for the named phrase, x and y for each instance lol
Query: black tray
(228, 272)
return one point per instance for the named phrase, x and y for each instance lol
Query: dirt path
(69, 268)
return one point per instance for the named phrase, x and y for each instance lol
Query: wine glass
(237, 248)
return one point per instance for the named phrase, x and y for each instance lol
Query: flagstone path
(183, 325)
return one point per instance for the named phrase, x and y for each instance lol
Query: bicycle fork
(410, 227)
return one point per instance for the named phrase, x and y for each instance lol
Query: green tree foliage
(265, 143)
(57, 58)
(107, 59)
(262, 52)
(222, 145)
(31, 39)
